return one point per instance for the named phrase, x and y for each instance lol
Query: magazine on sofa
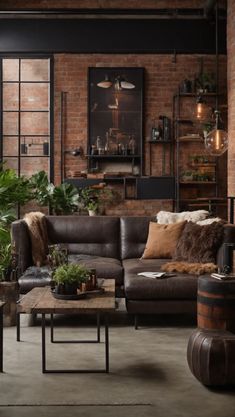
(156, 274)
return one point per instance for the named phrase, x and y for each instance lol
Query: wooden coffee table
(41, 300)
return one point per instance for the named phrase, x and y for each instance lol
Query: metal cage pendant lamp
(216, 141)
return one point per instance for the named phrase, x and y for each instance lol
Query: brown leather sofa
(114, 247)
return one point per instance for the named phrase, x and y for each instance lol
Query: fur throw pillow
(189, 268)
(199, 243)
(167, 217)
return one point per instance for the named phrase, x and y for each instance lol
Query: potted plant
(8, 271)
(95, 199)
(68, 278)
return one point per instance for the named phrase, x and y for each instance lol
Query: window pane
(10, 70)
(10, 96)
(34, 123)
(11, 163)
(30, 166)
(34, 146)
(34, 96)
(10, 123)
(10, 146)
(35, 70)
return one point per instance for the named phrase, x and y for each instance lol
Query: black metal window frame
(50, 134)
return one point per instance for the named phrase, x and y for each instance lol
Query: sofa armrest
(21, 239)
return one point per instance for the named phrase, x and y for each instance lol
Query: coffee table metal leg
(98, 327)
(18, 327)
(43, 344)
(97, 340)
(52, 328)
(1, 339)
(106, 343)
(106, 369)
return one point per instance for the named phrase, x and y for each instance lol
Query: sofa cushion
(180, 287)
(34, 277)
(98, 235)
(199, 243)
(105, 267)
(162, 240)
(134, 234)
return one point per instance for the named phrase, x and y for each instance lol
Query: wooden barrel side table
(216, 304)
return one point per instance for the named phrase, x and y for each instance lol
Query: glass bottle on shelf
(106, 148)
(132, 145)
(99, 145)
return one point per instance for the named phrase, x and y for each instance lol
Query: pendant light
(202, 111)
(216, 142)
(106, 83)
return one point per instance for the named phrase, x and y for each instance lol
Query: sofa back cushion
(98, 235)
(134, 234)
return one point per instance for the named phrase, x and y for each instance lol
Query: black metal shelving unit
(202, 187)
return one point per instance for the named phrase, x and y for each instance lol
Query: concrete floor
(149, 375)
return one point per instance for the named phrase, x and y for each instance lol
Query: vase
(92, 213)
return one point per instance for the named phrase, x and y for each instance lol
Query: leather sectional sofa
(114, 246)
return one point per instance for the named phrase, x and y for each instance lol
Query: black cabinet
(115, 120)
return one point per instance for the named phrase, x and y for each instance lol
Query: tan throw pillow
(162, 240)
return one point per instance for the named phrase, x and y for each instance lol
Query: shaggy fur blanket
(36, 223)
(189, 268)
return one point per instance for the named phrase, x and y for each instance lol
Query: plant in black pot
(68, 278)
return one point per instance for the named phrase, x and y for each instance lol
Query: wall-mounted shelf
(113, 156)
(197, 182)
(199, 188)
(145, 187)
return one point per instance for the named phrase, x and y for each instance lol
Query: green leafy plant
(58, 255)
(62, 199)
(96, 199)
(13, 190)
(205, 82)
(65, 199)
(71, 274)
(5, 253)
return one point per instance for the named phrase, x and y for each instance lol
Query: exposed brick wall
(231, 96)
(162, 77)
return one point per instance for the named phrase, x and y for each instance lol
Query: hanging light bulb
(202, 111)
(216, 142)
(106, 83)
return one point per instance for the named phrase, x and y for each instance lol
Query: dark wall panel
(110, 36)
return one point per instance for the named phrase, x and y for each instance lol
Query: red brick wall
(162, 77)
(231, 96)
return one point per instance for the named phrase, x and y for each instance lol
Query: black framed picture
(115, 112)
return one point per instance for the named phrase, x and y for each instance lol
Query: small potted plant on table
(68, 278)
